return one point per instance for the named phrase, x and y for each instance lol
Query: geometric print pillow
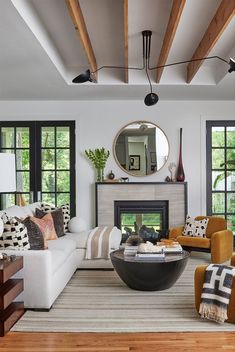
(15, 235)
(195, 228)
(47, 208)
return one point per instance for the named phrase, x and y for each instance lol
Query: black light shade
(83, 77)
(232, 65)
(151, 99)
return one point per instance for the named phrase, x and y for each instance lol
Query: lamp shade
(8, 172)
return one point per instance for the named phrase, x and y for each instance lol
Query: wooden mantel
(107, 192)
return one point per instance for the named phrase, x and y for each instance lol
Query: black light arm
(150, 98)
(192, 60)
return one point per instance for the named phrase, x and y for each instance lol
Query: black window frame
(35, 155)
(209, 169)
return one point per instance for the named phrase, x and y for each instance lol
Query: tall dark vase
(180, 177)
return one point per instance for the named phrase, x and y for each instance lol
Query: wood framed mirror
(141, 148)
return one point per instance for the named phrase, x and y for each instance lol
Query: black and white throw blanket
(216, 292)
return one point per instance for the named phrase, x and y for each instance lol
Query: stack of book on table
(130, 250)
(174, 248)
(150, 256)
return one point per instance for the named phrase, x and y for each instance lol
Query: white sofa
(46, 272)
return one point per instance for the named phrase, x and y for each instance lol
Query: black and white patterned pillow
(195, 228)
(47, 208)
(15, 234)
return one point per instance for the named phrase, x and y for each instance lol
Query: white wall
(98, 122)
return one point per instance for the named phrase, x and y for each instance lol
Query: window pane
(7, 137)
(218, 180)
(62, 137)
(22, 159)
(231, 159)
(48, 137)
(48, 198)
(217, 158)
(63, 181)
(7, 200)
(62, 159)
(63, 198)
(218, 136)
(231, 136)
(48, 159)
(230, 180)
(218, 203)
(22, 181)
(152, 220)
(231, 222)
(48, 181)
(231, 202)
(22, 137)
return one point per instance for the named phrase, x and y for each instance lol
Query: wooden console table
(10, 311)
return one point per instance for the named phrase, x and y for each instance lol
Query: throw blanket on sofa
(216, 292)
(98, 243)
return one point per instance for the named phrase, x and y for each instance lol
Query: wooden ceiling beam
(176, 11)
(223, 16)
(125, 22)
(80, 26)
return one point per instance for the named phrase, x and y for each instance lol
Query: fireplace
(175, 193)
(149, 218)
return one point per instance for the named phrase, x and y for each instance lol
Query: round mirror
(141, 148)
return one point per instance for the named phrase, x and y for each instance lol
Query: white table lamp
(8, 173)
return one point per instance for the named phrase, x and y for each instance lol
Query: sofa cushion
(194, 241)
(80, 238)
(47, 208)
(46, 225)
(215, 224)
(15, 210)
(58, 219)
(60, 251)
(14, 234)
(35, 235)
(195, 228)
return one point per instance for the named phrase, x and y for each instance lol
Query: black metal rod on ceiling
(150, 98)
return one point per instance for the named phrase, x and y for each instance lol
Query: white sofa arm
(37, 275)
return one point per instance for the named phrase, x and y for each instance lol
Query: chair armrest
(175, 232)
(233, 260)
(199, 277)
(221, 246)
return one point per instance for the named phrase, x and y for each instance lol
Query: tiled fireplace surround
(173, 192)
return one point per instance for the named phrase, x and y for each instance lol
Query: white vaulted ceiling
(41, 50)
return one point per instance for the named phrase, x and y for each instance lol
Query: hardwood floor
(142, 342)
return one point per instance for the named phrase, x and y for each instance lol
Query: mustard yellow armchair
(199, 278)
(218, 240)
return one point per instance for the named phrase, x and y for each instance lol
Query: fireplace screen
(147, 218)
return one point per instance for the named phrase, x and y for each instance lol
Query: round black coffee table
(149, 275)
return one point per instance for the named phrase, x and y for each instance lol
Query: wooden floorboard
(119, 342)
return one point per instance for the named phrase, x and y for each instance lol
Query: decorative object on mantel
(111, 175)
(168, 179)
(172, 169)
(124, 179)
(98, 157)
(180, 177)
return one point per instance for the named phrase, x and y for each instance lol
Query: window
(221, 170)
(45, 161)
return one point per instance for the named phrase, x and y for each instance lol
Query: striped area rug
(98, 301)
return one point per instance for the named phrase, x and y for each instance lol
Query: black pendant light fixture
(151, 98)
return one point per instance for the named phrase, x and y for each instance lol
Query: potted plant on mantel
(98, 157)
